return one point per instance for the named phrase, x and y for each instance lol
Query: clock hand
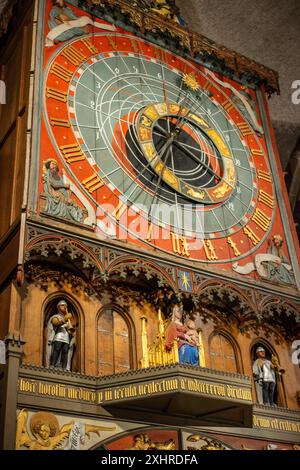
(162, 130)
(190, 154)
(141, 173)
(165, 148)
(180, 146)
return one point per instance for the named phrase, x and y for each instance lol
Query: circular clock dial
(177, 145)
(151, 141)
(112, 94)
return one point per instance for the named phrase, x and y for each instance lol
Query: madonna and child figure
(186, 335)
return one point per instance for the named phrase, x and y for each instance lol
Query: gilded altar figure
(47, 435)
(188, 346)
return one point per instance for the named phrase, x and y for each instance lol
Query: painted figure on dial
(273, 265)
(64, 24)
(60, 338)
(61, 14)
(280, 269)
(58, 195)
(186, 337)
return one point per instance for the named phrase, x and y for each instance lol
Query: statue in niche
(267, 374)
(188, 347)
(272, 265)
(60, 338)
(64, 24)
(59, 202)
(48, 435)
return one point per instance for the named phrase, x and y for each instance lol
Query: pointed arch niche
(50, 309)
(224, 352)
(116, 350)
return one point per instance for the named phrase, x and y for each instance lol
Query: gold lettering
(261, 220)
(264, 175)
(59, 122)
(209, 250)
(149, 233)
(27, 386)
(108, 395)
(73, 55)
(266, 198)
(180, 245)
(245, 129)
(72, 153)
(56, 94)
(112, 43)
(228, 105)
(232, 244)
(207, 85)
(92, 183)
(91, 47)
(61, 72)
(251, 235)
(120, 209)
(257, 153)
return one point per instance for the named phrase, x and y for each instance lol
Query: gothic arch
(225, 304)
(220, 332)
(126, 319)
(82, 256)
(140, 267)
(283, 315)
(49, 308)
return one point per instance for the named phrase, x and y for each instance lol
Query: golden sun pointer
(190, 81)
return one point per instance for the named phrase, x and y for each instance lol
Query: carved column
(9, 390)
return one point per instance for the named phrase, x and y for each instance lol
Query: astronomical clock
(165, 153)
(150, 281)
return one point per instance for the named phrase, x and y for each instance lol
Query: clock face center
(186, 153)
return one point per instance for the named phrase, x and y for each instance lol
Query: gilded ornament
(143, 442)
(46, 431)
(196, 194)
(191, 81)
